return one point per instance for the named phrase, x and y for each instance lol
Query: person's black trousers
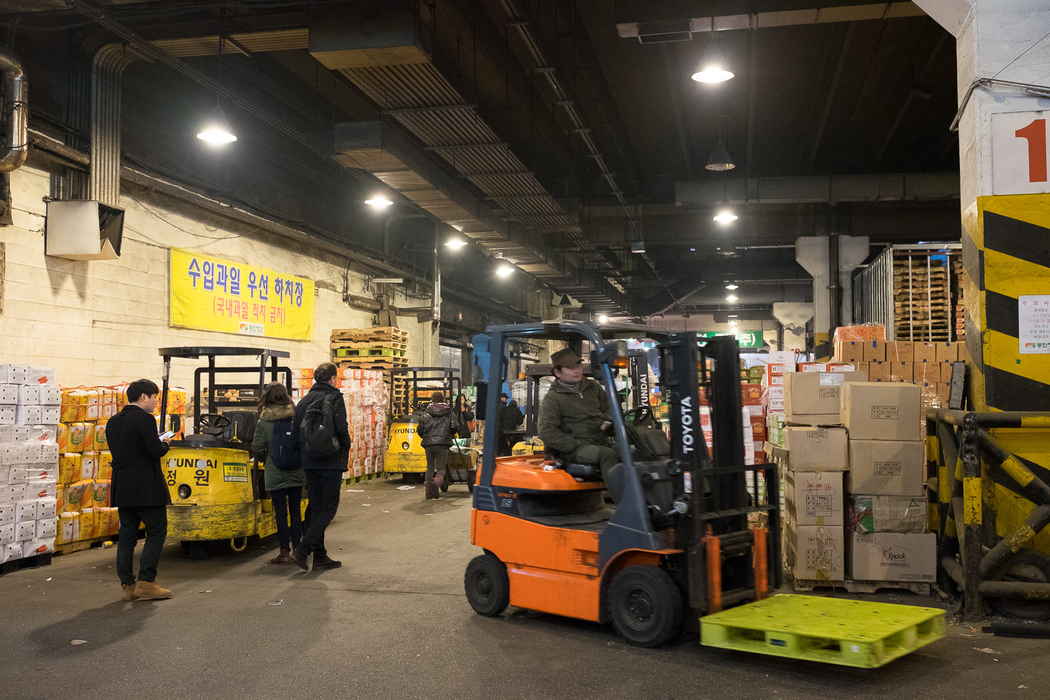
(322, 488)
(155, 518)
(285, 503)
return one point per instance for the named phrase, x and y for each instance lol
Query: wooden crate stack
(922, 303)
(958, 307)
(379, 348)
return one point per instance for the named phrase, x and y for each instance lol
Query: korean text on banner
(218, 295)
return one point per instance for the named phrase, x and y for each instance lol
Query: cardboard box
(843, 366)
(900, 371)
(874, 350)
(815, 553)
(878, 371)
(900, 351)
(926, 372)
(946, 352)
(944, 392)
(816, 449)
(816, 392)
(814, 498)
(887, 468)
(851, 351)
(894, 556)
(812, 366)
(870, 514)
(924, 352)
(880, 411)
(812, 420)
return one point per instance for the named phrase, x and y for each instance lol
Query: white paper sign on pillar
(1033, 324)
(1019, 152)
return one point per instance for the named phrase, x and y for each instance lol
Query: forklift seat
(587, 472)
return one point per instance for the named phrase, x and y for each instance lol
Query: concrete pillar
(830, 260)
(793, 317)
(1004, 68)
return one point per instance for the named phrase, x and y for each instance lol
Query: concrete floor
(394, 623)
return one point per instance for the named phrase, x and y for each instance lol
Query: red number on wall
(1035, 134)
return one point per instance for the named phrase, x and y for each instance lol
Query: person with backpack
(436, 427)
(276, 444)
(324, 438)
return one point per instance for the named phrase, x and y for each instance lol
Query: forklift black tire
(487, 585)
(645, 606)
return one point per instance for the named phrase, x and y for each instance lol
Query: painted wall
(102, 322)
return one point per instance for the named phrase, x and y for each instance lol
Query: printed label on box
(887, 468)
(831, 378)
(885, 412)
(828, 392)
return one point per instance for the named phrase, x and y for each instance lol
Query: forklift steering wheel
(638, 415)
(213, 424)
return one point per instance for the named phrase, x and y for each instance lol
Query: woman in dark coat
(284, 485)
(437, 426)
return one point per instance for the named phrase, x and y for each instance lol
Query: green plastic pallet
(828, 630)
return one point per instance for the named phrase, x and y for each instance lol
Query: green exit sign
(748, 340)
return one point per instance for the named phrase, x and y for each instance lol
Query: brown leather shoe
(149, 590)
(281, 558)
(128, 591)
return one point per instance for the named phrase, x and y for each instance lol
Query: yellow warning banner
(218, 295)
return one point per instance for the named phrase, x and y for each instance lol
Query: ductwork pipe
(16, 110)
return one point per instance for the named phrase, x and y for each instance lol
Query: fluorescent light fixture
(733, 323)
(379, 202)
(725, 216)
(455, 243)
(731, 298)
(638, 247)
(217, 131)
(388, 280)
(603, 319)
(732, 285)
(712, 67)
(504, 270)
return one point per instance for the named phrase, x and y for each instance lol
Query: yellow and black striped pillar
(1006, 254)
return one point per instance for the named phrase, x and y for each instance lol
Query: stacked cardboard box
(886, 483)
(29, 412)
(367, 401)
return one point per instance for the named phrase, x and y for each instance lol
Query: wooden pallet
(368, 352)
(807, 586)
(362, 335)
(365, 363)
(828, 630)
(81, 545)
(367, 345)
(13, 565)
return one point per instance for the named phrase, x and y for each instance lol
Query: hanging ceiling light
(603, 319)
(724, 217)
(731, 298)
(379, 202)
(504, 270)
(455, 243)
(720, 161)
(217, 131)
(732, 285)
(712, 67)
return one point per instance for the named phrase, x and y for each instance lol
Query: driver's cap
(565, 358)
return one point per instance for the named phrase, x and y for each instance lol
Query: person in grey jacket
(284, 485)
(436, 427)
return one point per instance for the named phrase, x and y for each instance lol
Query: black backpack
(284, 451)
(317, 430)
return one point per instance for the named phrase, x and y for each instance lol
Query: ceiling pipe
(16, 103)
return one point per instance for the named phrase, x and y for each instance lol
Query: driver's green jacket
(570, 419)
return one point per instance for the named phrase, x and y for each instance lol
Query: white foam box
(27, 415)
(50, 415)
(17, 492)
(25, 530)
(39, 433)
(814, 498)
(7, 513)
(816, 449)
(14, 374)
(887, 467)
(8, 414)
(42, 489)
(11, 551)
(894, 556)
(9, 394)
(38, 546)
(5, 475)
(50, 395)
(41, 472)
(29, 395)
(869, 514)
(25, 510)
(816, 392)
(882, 411)
(7, 534)
(17, 475)
(40, 375)
(47, 507)
(7, 495)
(48, 453)
(46, 528)
(816, 553)
(21, 433)
(7, 434)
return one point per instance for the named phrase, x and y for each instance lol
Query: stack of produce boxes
(29, 412)
(86, 464)
(367, 401)
(814, 534)
(886, 483)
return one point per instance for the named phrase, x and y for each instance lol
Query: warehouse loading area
(379, 627)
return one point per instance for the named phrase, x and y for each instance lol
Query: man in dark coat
(510, 418)
(138, 490)
(437, 427)
(324, 475)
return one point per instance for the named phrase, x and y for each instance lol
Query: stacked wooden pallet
(959, 306)
(922, 303)
(370, 348)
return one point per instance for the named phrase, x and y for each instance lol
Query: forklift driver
(574, 416)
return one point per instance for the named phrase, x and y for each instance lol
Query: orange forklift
(676, 544)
